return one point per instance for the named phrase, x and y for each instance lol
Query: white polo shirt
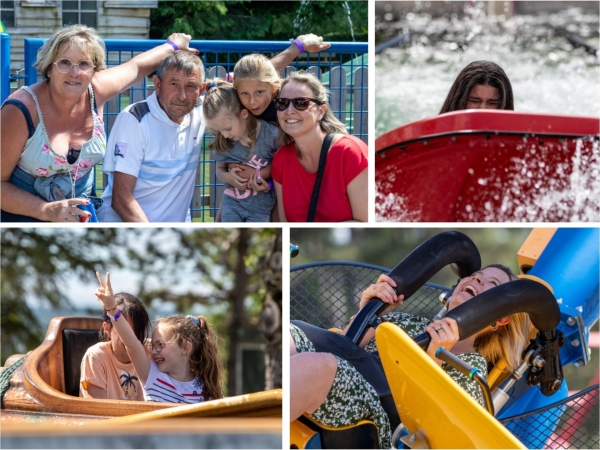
(163, 155)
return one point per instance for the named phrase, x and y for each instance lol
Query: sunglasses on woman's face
(300, 103)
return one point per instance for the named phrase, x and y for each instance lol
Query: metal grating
(327, 294)
(570, 423)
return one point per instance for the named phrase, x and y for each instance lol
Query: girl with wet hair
(480, 85)
(106, 370)
(184, 363)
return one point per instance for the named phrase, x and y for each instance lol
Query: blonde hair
(84, 38)
(255, 67)
(508, 340)
(329, 123)
(204, 357)
(220, 98)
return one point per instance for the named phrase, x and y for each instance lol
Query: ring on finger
(437, 330)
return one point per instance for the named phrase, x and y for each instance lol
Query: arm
(15, 200)
(108, 83)
(95, 391)
(123, 201)
(312, 43)
(280, 208)
(383, 290)
(229, 174)
(357, 191)
(135, 349)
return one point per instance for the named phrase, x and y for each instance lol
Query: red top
(346, 159)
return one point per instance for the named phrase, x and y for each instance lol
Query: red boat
(490, 166)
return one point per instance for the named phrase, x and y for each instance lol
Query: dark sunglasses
(300, 103)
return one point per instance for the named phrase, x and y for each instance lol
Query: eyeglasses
(64, 65)
(300, 103)
(158, 346)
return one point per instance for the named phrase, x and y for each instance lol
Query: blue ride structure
(569, 264)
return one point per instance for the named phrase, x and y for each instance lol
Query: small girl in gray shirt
(241, 138)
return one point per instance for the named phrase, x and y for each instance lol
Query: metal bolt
(556, 385)
(575, 342)
(412, 437)
(571, 321)
(538, 361)
(578, 363)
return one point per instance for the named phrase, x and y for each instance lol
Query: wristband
(170, 42)
(116, 316)
(271, 186)
(298, 44)
(109, 310)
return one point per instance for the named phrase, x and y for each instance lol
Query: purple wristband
(299, 44)
(271, 185)
(116, 316)
(173, 44)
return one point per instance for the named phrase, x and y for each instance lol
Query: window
(80, 12)
(7, 13)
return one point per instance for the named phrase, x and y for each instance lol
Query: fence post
(5, 66)
(361, 100)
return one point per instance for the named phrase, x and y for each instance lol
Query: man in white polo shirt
(154, 146)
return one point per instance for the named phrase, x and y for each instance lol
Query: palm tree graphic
(128, 382)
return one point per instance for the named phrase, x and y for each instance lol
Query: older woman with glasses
(305, 119)
(52, 132)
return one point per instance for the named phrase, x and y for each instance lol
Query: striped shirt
(160, 387)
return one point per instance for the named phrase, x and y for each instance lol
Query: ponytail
(204, 357)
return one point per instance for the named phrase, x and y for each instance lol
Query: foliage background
(260, 20)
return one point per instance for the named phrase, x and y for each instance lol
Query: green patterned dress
(351, 399)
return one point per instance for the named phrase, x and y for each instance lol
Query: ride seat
(362, 435)
(75, 344)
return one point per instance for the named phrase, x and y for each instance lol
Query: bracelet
(170, 42)
(108, 310)
(271, 185)
(298, 44)
(116, 316)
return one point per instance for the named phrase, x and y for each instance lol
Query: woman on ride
(305, 119)
(480, 85)
(52, 132)
(331, 391)
(106, 369)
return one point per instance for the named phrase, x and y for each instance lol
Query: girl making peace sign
(184, 363)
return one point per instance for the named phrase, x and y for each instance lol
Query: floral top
(39, 160)
(413, 326)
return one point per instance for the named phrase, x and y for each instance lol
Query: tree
(270, 317)
(244, 20)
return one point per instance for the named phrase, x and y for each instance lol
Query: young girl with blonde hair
(243, 139)
(184, 366)
(257, 84)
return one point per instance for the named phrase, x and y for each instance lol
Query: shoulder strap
(25, 111)
(312, 210)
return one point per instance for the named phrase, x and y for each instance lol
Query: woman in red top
(305, 119)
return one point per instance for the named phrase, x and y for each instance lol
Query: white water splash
(347, 8)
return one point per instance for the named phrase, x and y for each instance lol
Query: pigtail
(222, 97)
(208, 367)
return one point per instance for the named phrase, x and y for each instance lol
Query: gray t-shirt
(249, 205)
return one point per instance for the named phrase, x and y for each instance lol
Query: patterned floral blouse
(40, 160)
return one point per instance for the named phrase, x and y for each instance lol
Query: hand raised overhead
(104, 293)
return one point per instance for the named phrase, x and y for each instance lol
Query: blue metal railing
(4, 66)
(343, 69)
